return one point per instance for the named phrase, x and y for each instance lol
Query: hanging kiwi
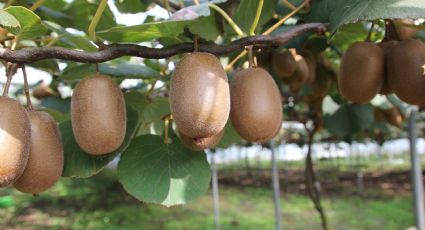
(15, 133)
(199, 95)
(406, 71)
(404, 32)
(45, 164)
(361, 72)
(284, 64)
(264, 57)
(386, 47)
(199, 144)
(98, 115)
(256, 111)
(311, 63)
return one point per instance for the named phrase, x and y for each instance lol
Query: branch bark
(110, 52)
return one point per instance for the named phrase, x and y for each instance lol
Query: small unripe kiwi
(406, 71)
(199, 95)
(45, 164)
(98, 115)
(199, 144)
(404, 32)
(15, 133)
(256, 111)
(284, 64)
(361, 72)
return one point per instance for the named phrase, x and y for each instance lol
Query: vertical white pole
(216, 197)
(276, 187)
(418, 187)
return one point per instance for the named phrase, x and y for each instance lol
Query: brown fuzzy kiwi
(302, 73)
(264, 58)
(15, 133)
(45, 164)
(386, 47)
(406, 71)
(98, 115)
(393, 116)
(311, 63)
(256, 111)
(199, 144)
(361, 72)
(404, 32)
(199, 95)
(42, 91)
(284, 64)
(320, 85)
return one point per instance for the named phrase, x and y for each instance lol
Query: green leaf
(123, 70)
(145, 32)
(82, 12)
(8, 20)
(340, 12)
(79, 164)
(31, 26)
(131, 6)
(205, 27)
(349, 119)
(70, 40)
(247, 9)
(230, 136)
(169, 175)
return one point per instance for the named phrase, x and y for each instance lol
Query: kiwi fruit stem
(26, 88)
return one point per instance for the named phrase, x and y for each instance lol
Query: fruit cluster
(202, 101)
(31, 149)
(395, 65)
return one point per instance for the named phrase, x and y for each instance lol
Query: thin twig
(257, 17)
(37, 4)
(228, 19)
(26, 88)
(96, 19)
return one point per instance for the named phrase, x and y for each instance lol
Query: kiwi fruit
(386, 47)
(404, 32)
(199, 95)
(284, 64)
(311, 63)
(393, 116)
(256, 111)
(98, 115)
(45, 163)
(15, 133)
(199, 144)
(42, 91)
(302, 73)
(406, 71)
(361, 72)
(264, 58)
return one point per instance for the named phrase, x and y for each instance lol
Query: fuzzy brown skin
(45, 164)
(199, 95)
(406, 71)
(284, 64)
(404, 32)
(199, 144)
(98, 115)
(256, 111)
(361, 72)
(302, 74)
(15, 133)
(386, 47)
